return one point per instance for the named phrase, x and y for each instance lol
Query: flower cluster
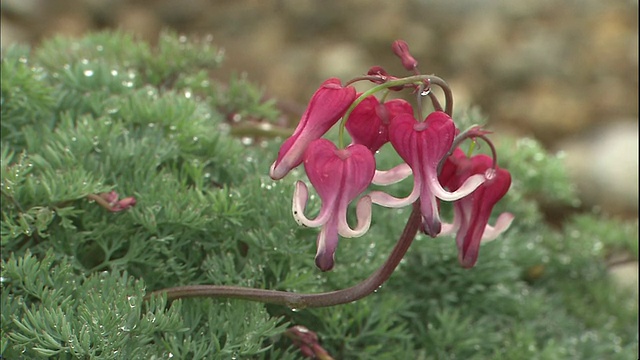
(429, 147)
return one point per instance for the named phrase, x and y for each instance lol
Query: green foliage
(83, 117)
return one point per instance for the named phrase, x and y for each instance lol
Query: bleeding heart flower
(326, 107)
(472, 212)
(422, 145)
(339, 176)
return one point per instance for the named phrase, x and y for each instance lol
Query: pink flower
(339, 176)
(369, 122)
(422, 145)
(472, 212)
(326, 107)
(124, 204)
(115, 205)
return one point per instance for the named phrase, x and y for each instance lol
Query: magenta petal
(327, 105)
(473, 211)
(124, 204)
(473, 225)
(396, 107)
(421, 145)
(365, 126)
(339, 172)
(369, 121)
(339, 176)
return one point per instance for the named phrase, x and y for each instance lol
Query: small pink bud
(401, 49)
(111, 197)
(383, 76)
(123, 204)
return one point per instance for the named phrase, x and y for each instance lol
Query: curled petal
(300, 196)
(384, 199)
(472, 183)
(392, 176)
(502, 224)
(490, 233)
(449, 228)
(363, 214)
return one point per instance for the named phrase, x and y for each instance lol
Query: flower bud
(401, 49)
(383, 76)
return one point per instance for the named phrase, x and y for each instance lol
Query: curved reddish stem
(300, 301)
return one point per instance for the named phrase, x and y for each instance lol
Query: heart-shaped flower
(339, 176)
(472, 212)
(422, 145)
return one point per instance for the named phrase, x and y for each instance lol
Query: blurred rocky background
(564, 72)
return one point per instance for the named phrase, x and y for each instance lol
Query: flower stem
(301, 301)
(417, 80)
